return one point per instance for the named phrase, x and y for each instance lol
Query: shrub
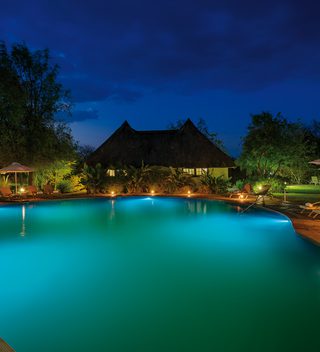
(217, 185)
(156, 187)
(94, 179)
(64, 186)
(240, 183)
(4, 180)
(116, 186)
(183, 190)
(75, 183)
(204, 189)
(277, 184)
(177, 179)
(53, 173)
(137, 179)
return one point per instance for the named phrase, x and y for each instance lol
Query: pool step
(4, 347)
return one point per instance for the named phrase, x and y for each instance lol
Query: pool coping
(304, 227)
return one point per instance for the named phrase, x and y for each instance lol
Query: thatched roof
(15, 167)
(185, 147)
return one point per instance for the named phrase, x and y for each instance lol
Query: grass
(300, 198)
(306, 189)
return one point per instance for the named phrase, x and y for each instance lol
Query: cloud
(126, 95)
(109, 47)
(82, 115)
(78, 116)
(85, 88)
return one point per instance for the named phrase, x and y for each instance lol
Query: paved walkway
(4, 347)
(305, 226)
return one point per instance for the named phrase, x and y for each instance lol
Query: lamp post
(285, 194)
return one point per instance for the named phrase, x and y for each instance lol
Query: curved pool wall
(155, 274)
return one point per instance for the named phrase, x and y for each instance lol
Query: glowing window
(111, 173)
(200, 172)
(188, 171)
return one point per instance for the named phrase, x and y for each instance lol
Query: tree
(94, 178)
(138, 178)
(313, 134)
(203, 128)
(53, 173)
(276, 147)
(30, 97)
(177, 179)
(12, 136)
(216, 185)
(84, 151)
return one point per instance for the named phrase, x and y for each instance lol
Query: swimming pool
(155, 274)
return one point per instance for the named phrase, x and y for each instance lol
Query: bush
(64, 186)
(240, 183)
(177, 179)
(94, 179)
(4, 181)
(137, 178)
(277, 184)
(53, 173)
(156, 187)
(116, 186)
(183, 190)
(217, 185)
(75, 183)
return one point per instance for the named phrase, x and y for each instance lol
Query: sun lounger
(244, 193)
(315, 213)
(309, 207)
(32, 190)
(6, 192)
(47, 189)
(260, 197)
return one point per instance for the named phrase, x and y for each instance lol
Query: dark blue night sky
(155, 62)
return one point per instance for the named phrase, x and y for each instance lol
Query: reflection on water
(112, 210)
(197, 206)
(23, 220)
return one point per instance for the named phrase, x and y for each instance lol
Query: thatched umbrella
(315, 162)
(16, 168)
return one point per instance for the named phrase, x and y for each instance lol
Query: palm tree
(216, 185)
(93, 178)
(177, 179)
(138, 178)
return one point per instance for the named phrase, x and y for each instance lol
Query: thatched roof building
(186, 147)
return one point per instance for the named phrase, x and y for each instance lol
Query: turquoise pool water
(155, 274)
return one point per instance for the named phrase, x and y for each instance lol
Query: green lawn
(306, 189)
(300, 198)
(301, 193)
